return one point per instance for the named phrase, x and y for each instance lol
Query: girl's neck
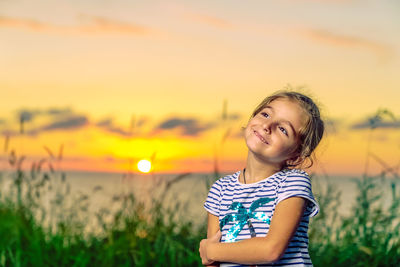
(257, 170)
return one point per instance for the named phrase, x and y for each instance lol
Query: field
(43, 224)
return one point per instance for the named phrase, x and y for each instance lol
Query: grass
(129, 240)
(42, 224)
(370, 236)
(136, 235)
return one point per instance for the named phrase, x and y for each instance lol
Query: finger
(200, 245)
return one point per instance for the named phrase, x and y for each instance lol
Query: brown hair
(311, 134)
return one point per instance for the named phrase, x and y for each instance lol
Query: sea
(186, 193)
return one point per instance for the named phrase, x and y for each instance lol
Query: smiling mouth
(260, 137)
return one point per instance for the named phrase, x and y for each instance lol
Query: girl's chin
(256, 144)
(256, 151)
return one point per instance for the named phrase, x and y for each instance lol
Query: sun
(144, 166)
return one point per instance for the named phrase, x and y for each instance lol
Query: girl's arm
(259, 250)
(212, 229)
(212, 225)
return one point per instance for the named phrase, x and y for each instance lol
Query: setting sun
(144, 166)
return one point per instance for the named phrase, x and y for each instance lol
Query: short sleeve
(298, 184)
(212, 203)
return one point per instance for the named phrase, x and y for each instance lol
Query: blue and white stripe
(280, 186)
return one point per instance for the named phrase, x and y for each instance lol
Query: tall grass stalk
(42, 224)
(368, 237)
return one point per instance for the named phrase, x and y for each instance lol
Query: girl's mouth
(260, 137)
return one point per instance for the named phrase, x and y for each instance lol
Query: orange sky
(118, 81)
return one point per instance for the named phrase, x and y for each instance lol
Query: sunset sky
(114, 82)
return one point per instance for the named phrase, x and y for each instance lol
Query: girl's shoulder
(293, 174)
(230, 178)
(225, 182)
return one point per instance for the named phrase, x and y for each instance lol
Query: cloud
(328, 37)
(26, 115)
(88, 25)
(325, 37)
(105, 25)
(36, 121)
(332, 125)
(58, 111)
(234, 116)
(325, 1)
(318, 35)
(107, 125)
(9, 133)
(62, 123)
(212, 21)
(104, 123)
(27, 24)
(57, 118)
(189, 127)
(367, 124)
(141, 122)
(72, 122)
(383, 118)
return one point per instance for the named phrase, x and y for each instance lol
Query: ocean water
(183, 193)
(191, 190)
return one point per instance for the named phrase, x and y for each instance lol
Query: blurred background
(132, 95)
(120, 81)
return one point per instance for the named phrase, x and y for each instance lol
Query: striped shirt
(257, 201)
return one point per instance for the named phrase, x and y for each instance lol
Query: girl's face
(272, 135)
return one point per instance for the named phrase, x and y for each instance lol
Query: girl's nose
(267, 127)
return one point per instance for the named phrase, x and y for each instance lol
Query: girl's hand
(203, 247)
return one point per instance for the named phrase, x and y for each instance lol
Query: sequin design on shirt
(243, 216)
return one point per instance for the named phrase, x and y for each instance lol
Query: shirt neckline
(237, 174)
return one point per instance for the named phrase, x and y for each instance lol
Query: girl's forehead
(290, 110)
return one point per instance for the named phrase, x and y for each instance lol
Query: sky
(100, 85)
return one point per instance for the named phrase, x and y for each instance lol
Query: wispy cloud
(56, 119)
(108, 125)
(325, 1)
(98, 24)
(189, 127)
(209, 20)
(382, 124)
(335, 39)
(327, 37)
(366, 124)
(27, 115)
(33, 122)
(322, 36)
(383, 118)
(72, 122)
(87, 25)
(135, 128)
(59, 111)
(332, 125)
(26, 24)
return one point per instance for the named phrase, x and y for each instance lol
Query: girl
(260, 215)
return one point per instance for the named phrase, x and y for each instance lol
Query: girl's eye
(266, 115)
(283, 130)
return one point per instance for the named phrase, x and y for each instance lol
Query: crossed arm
(256, 250)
